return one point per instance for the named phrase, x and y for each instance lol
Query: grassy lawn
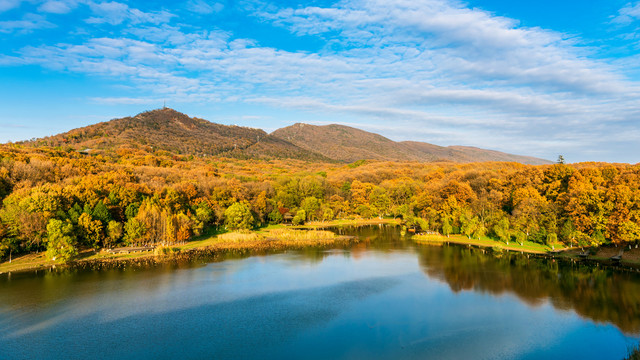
(483, 242)
(29, 261)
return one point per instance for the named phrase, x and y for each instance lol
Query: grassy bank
(484, 241)
(630, 256)
(270, 239)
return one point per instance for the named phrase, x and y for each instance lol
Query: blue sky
(539, 78)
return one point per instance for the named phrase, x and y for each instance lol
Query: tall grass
(165, 251)
(290, 234)
(240, 237)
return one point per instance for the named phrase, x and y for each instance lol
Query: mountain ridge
(345, 143)
(169, 130)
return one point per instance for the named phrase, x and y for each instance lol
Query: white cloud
(430, 68)
(469, 43)
(204, 7)
(28, 23)
(6, 5)
(57, 6)
(115, 13)
(628, 14)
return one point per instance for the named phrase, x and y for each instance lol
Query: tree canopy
(59, 200)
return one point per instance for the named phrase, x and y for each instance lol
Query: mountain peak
(170, 130)
(167, 129)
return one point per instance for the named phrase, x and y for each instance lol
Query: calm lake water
(387, 298)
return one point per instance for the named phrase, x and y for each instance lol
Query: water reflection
(597, 293)
(371, 296)
(602, 294)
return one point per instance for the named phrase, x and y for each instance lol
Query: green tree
(238, 216)
(134, 230)
(132, 210)
(310, 205)
(74, 213)
(521, 237)
(480, 230)
(365, 211)
(275, 217)
(61, 241)
(629, 231)
(100, 212)
(299, 218)
(501, 229)
(115, 231)
(91, 230)
(469, 225)
(446, 226)
(379, 201)
(7, 244)
(327, 214)
(569, 232)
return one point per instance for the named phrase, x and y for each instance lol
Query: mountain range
(171, 131)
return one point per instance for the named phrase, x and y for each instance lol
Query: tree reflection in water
(594, 292)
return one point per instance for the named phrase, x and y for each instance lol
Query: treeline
(59, 200)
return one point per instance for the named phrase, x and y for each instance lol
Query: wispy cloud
(628, 14)
(27, 24)
(115, 13)
(204, 7)
(433, 68)
(9, 4)
(57, 6)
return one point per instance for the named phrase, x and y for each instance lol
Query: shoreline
(210, 253)
(210, 246)
(529, 248)
(263, 241)
(601, 255)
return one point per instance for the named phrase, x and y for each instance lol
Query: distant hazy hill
(348, 144)
(169, 130)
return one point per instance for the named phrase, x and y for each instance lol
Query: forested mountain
(168, 130)
(162, 177)
(349, 144)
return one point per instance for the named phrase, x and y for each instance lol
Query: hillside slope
(344, 143)
(169, 130)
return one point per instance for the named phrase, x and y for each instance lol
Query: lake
(384, 298)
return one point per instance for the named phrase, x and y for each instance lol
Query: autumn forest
(57, 199)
